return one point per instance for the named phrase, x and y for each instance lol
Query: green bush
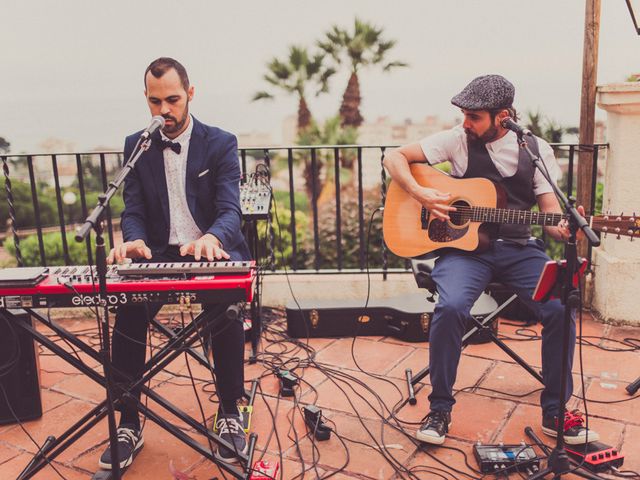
(54, 253)
(350, 231)
(300, 200)
(23, 205)
(283, 245)
(48, 206)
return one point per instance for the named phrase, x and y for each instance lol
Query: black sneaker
(230, 429)
(129, 442)
(435, 428)
(575, 432)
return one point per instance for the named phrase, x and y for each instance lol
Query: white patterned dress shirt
(183, 228)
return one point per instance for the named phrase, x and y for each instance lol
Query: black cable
(26, 432)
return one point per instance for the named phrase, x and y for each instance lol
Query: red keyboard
(77, 286)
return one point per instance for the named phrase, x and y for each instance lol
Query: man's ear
(502, 114)
(190, 92)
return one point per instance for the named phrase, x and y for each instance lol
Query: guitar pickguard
(442, 232)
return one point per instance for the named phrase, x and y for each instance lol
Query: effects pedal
(245, 412)
(265, 470)
(255, 201)
(497, 458)
(596, 456)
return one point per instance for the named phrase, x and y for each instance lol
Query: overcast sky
(73, 69)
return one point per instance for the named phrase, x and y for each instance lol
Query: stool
(482, 321)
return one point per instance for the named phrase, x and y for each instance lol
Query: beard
(487, 137)
(177, 124)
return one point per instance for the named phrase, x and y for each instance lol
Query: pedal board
(597, 456)
(497, 458)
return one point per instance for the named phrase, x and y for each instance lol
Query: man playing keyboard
(181, 205)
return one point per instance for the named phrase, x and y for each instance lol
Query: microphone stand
(558, 460)
(94, 221)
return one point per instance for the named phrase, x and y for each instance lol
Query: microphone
(156, 123)
(509, 124)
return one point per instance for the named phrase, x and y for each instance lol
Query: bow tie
(162, 144)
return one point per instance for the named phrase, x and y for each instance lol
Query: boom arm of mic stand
(579, 220)
(103, 200)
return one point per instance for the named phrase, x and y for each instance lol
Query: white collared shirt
(182, 227)
(451, 145)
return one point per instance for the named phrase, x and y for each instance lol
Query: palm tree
(4, 145)
(545, 127)
(361, 48)
(534, 123)
(293, 75)
(328, 134)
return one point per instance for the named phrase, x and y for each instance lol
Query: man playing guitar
(482, 148)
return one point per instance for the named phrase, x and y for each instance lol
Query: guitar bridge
(424, 218)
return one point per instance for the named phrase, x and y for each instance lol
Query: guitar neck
(509, 216)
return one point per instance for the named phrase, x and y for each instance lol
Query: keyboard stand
(178, 342)
(251, 234)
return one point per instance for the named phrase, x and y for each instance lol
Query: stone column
(616, 281)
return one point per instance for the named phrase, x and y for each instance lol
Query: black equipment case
(404, 317)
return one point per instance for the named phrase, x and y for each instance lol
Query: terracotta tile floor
(360, 388)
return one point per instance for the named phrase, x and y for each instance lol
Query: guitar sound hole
(461, 216)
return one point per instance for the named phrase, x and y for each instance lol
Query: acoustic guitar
(410, 230)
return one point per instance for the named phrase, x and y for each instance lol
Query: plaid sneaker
(230, 429)
(129, 442)
(435, 428)
(574, 431)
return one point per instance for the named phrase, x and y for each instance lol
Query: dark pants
(461, 277)
(130, 340)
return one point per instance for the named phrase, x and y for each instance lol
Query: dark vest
(518, 188)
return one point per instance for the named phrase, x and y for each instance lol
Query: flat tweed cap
(487, 92)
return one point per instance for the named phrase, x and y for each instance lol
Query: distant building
(384, 132)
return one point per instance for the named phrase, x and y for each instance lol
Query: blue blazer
(212, 188)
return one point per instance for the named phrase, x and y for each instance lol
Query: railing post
(314, 205)
(292, 209)
(12, 211)
(361, 237)
(383, 194)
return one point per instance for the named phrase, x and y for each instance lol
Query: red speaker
(19, 371)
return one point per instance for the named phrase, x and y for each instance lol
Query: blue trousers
(461, 277)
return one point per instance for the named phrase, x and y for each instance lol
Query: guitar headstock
(619, 225)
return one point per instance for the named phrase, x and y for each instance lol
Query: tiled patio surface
(358, 384)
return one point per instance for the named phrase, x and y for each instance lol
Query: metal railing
(325, 198)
